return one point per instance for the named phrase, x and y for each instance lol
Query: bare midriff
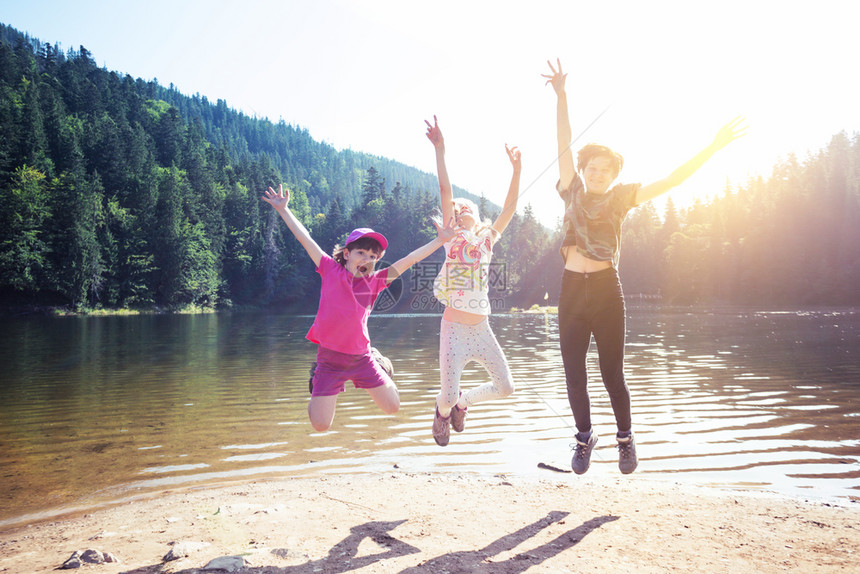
(576, 261)
(462, 317)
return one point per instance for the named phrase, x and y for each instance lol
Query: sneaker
(311, 380)
(383, 361)
(627, 461)
(441, 428)
(458, 418)
(582, 453)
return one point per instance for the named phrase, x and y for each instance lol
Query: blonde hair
(480, 224)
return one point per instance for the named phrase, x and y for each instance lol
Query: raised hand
(279, 199)
(434, 134)
(556, 78)
(729, 133)
(447, 232)
(514, 156)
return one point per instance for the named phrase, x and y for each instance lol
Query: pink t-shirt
(345, 304)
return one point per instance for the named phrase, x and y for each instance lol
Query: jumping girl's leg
(609, 335)
(574, 334)
(321, 411)
(610, 349)
(452, 361)
(492, 358)
(387, 397)
(574, 348)
(327, 383)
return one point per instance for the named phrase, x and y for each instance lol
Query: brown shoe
(458, 418)
(441, 428)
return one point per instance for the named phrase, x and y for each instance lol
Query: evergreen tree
(169, 137)
(24, 212)
(373, 188)
(78, 218)
(167, 238)
(243, 245)
(199, 278)
(121, 192)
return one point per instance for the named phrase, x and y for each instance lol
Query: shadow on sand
(342, 557)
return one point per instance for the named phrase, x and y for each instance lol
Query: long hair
(367, 243)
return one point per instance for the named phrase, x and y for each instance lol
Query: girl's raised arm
(443, 235)
(510, 206)
(446, 194)
(279, 201)
(727, 134)
(566, 169)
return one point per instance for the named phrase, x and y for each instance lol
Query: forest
(118, 193)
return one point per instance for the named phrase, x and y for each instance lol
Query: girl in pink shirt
(350, 285)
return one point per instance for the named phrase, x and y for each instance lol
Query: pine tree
(76, 253)
(166, 236)
(24, 212)
(373, 188)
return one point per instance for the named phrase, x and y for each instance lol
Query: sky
(659, 77)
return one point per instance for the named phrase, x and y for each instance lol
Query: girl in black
(592, 302)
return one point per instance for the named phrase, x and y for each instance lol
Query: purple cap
(367, 232)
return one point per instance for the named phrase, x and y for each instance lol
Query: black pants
(593, 303)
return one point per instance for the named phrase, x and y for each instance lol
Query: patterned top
(592, 222)
(345, 304)
(463, 281)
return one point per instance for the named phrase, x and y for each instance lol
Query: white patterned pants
(460, 344)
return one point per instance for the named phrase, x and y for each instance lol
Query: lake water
(100, 409)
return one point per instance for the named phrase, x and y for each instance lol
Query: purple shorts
(334, 369)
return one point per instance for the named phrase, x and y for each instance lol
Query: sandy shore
(402, 522)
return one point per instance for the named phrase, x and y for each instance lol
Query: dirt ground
(403, 522)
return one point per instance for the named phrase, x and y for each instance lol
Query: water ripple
(738, 399)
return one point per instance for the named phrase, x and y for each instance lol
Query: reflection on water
(96, 409)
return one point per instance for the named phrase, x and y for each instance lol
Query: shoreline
(398, 521)
(552, 473)
(299, 310)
